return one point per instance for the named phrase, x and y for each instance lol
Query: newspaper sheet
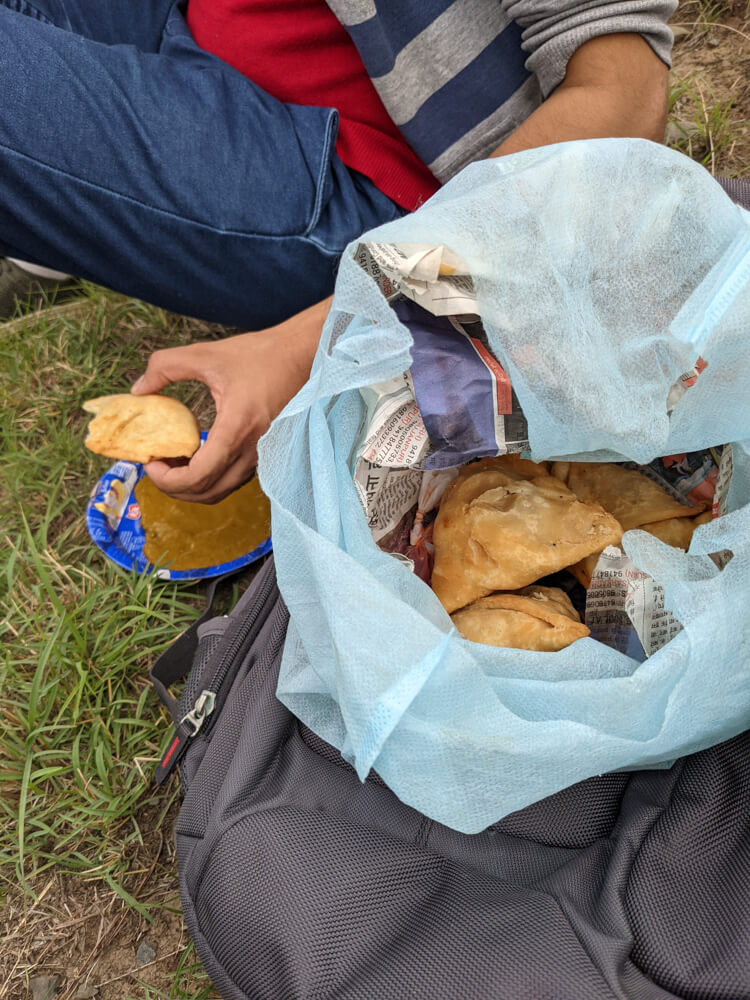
(385, 282)
(689, 477)
(386, 495)
(684, 382)
(395, 433)
(625, 607)
(644, 605)
(723, 479)
(511, 427)
(433, 276)
(606, 598)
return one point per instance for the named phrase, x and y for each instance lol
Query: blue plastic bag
(602, 270)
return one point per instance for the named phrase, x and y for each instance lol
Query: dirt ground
(85, 937)
(82, 941)
(713, 60)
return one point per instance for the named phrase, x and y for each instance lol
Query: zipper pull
(187, 728)
(203, 707)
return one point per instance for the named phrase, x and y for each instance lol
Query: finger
(170, 463)
(182, 481)
(231, 479)
(231, 442)
(173, 364)
(226, 457)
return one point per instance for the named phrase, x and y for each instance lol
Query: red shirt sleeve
(297, 51)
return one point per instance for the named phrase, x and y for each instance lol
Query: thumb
(175, 364)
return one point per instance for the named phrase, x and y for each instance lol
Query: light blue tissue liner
(491, 730)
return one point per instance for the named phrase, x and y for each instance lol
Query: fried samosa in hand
(141, 428)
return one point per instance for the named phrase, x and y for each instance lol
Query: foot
(20, 290)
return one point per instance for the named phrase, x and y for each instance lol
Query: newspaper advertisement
(395, 433)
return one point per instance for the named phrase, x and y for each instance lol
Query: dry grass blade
(71, 311)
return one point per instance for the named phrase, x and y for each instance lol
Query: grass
(696, 18)
(708, 111)
(86, 862)
(701, 126)
(703, 11)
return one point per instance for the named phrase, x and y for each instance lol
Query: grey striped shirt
(458, 76)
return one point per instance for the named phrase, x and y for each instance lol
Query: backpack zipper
(202, 712)
(204, 706)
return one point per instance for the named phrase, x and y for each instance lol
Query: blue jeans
(133, 158)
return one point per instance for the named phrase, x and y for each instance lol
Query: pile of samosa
(506, 522)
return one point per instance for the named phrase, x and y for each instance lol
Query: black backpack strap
(738, 190)
(175, 662)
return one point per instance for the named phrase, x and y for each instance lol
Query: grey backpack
(299, 882)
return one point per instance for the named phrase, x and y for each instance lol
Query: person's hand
(251, 377)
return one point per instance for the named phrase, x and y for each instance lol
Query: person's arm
(611, 85)
(614, 85)
(252, 377)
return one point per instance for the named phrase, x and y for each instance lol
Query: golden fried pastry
(676, 531)
(540, 618)
(495, 531)
(512, 465)
(583, 570)
(141, 428)
(627, 494)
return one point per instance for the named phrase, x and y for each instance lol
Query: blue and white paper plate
(113, 519)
